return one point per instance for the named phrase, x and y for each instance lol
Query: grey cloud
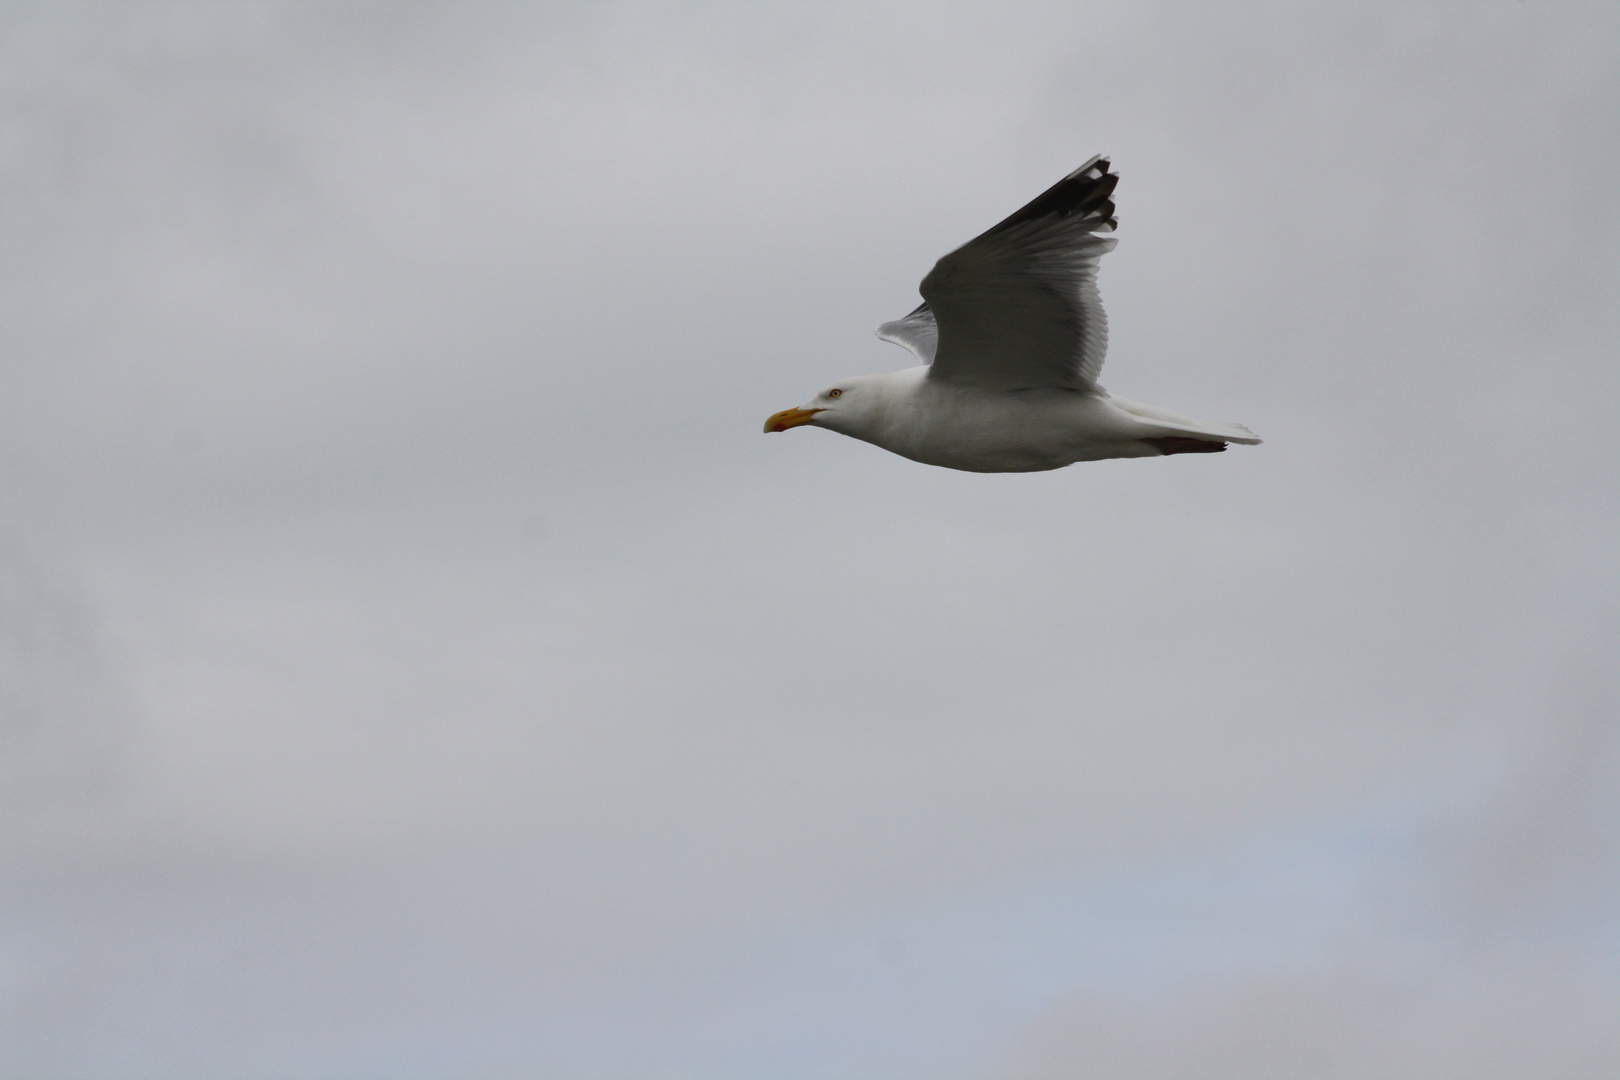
(456, 683)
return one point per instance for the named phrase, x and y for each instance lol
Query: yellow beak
(790, 418)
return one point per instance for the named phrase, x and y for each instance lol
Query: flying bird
(1011, 336)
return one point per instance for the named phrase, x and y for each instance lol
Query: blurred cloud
(1483, 946)
(414, 662)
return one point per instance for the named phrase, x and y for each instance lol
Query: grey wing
(1017, 306)
(917, 332)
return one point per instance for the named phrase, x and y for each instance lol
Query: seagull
(1011, 336)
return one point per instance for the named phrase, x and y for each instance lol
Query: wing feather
(917, 332)
(1017, 306)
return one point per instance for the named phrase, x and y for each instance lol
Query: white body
(982, 430)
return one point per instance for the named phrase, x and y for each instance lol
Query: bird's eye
(835, 393)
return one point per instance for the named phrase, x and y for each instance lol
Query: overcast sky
(415, 664)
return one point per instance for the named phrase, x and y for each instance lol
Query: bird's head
(848, 406)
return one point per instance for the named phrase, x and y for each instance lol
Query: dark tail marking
(1185, 444)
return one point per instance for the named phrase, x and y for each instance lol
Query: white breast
(984, 430)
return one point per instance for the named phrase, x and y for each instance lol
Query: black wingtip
(1086, 192)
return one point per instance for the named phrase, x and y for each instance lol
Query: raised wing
(1017, 306)
(917, 332)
